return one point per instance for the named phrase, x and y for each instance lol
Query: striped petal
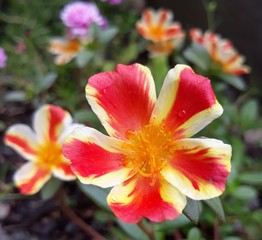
(50, 122)
(186, 103)
(30, 178)
(199, 168)
(138, 198)
(123, 100)
(63, 171)
(23, 140)
(95, 158)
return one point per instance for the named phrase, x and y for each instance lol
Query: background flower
(42, 148)
(64, 49)
(158, 27)
(3, 58)
(79, 16)
(221, 51)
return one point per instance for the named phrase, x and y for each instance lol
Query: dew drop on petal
(181, 113)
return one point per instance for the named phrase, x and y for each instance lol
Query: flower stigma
(148, 149)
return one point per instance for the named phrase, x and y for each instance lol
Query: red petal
(123, 100)
(142, 197)
(94, 158)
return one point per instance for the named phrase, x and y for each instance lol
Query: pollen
(156, 32)
(50, 155)
(148, 149)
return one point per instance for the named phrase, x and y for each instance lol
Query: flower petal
(123, 100)
(22, 139)
(50, 122)
(95, 158)
(199, 168)
(65, 49)
(64, 171)
(30, 178)
(138, 198)
(186, 103)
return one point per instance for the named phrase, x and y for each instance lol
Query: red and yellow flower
(148, 156)
(221, 52)
(158, 27)
(42, 148)
(64, 49)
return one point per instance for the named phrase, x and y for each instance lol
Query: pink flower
(79, 16)
(3, 58)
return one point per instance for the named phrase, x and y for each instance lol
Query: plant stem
(148, 232)
(74, 218)
(210, 7)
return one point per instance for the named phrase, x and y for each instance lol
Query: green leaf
(83, 58)
(232, 238)
(129, 53)
(46, 82)
(132, 230)
(159, 67)
(107, 35)
(194, 234)
(249, 114)
(97, 194)
(50, 188)
(252, 178)
(216, 206)
(245, 193)
(235, 81)
(15, 96)
(198, 55)
(192, 210)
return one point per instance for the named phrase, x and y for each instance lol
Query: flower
(64, 49)
(221, 52)
(79, 16)
(148, 156)
(42, 148)
(3, 58)
(157, 26)
(113, 2)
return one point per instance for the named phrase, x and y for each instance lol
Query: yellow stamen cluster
(50, 155)
(148, 149)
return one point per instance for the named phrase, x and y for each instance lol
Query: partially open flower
(159, 28)
(64, 49)
(79, 16)
(221, 51)
(42, 148)
(148, 156)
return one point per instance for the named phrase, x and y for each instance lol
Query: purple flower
(79, 16)
(3, 58)
(114, 2)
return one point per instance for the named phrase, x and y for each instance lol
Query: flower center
(50, 155)
(156, 32)
(148, 149)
